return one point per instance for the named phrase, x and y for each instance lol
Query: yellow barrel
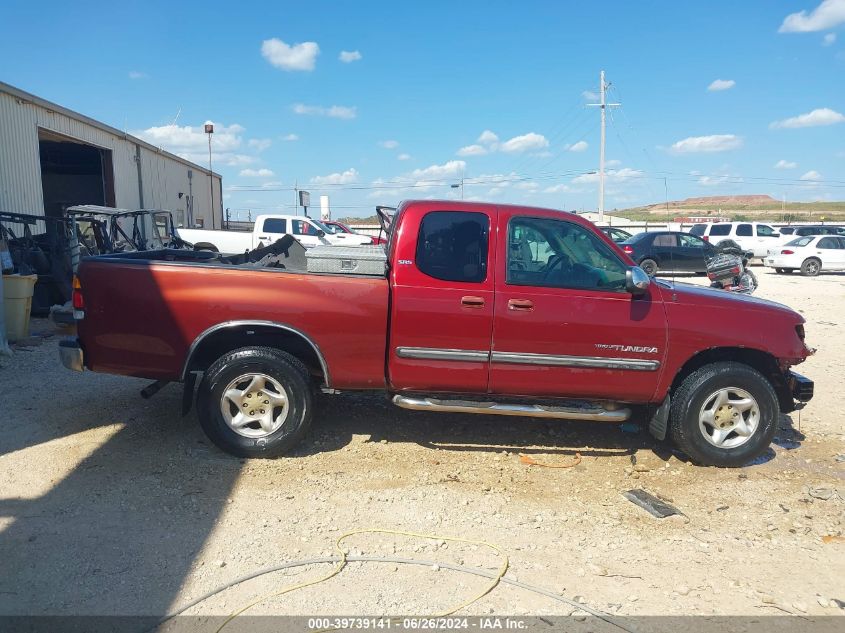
(17, 304)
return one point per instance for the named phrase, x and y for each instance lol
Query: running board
(590, 411)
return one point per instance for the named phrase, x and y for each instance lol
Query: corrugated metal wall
(163, 177)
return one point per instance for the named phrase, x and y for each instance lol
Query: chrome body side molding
(589, 362)
(431, 353)
(271, 324)
(576, 411)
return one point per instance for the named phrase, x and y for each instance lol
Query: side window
(720, 229)
(765, 231)
(787, 231)
(829, 243)
(698, 229)
(558, 254)
(744, 230)
(690, 241)
(665, 240)
(839, 230)
(301, 227)
(452, 246)
(275, 225)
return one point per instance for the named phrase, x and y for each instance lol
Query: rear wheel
(724, 414)
(811, 267)
(255, 402)
(649, 266)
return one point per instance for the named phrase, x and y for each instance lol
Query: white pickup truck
(267, 229)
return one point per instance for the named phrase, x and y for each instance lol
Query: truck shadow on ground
(338, 418)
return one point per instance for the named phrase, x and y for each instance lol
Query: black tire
(649, 266)
(780, 271)
(788, 271)
(811, 267)
(697, 389)
(279, 366)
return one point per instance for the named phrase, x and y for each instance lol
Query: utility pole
(603, 105)
(209, 129)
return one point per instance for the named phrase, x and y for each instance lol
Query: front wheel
(724, 414)
(255, 402)
(649, 266)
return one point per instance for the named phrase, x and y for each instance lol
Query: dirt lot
(110, 504)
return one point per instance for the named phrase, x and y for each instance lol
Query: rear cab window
(275, 225)
(452, 246)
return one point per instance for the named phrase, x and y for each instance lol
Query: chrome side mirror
(321, 233)
(636, 280)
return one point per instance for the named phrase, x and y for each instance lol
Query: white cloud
(297, 57)
(338, 178)
(256, 173)
(259, 144)
(335, 112)
(557, 189)
(829, 39)
(828, 14)
(391, 144)
(472, 150)
(580, 146)
(527, 186)
(713, 181)
(347, 57)
(721, 84)
(785, 164)
(589, 95)
(290, 138)
(610, 176)
(404, 157)
(488, 138)
(191, 142)
(811, 176)
(137, 74)
(712, 143)
(448, 170)
(524, 143)
(819, 116)
(612, 163)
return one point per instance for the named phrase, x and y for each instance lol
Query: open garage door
(73, 172)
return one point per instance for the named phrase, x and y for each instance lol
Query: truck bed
(144, 310)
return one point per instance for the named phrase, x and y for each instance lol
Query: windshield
(321, 226)
(333, 228)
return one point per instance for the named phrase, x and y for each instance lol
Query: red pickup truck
(482, 308)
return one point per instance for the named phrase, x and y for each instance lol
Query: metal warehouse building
(52, 158)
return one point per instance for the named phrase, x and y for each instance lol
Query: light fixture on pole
(209, 129)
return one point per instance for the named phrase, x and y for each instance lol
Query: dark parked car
(617, 235)
(669, 250)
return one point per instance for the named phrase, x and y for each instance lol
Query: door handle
(520, 304)
(263, 237)
(472, 302)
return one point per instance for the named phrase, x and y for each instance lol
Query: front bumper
(71, 354)
(800, 386)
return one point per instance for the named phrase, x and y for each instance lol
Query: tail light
(706, 238)
(629, 250)
(787, 252)
(78, 300)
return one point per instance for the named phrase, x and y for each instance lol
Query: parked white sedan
(810, 254)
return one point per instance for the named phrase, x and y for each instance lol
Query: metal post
(603, 105)
(601, 150)
(211, 182)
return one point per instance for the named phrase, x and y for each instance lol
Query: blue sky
(428, 93)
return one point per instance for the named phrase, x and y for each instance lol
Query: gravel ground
(111, 504)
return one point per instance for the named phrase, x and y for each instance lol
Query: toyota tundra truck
(481, 308)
